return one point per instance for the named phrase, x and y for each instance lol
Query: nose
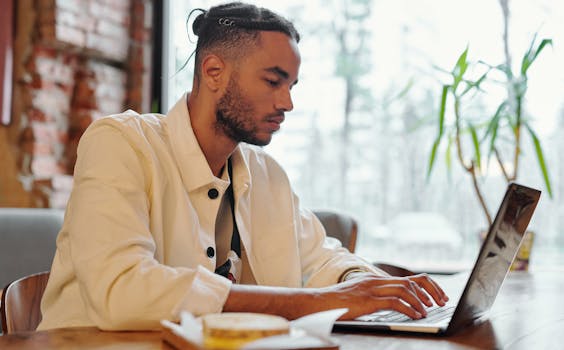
(284, 100)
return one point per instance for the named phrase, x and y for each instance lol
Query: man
(179, 212)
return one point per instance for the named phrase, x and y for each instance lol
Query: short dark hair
(233, 27)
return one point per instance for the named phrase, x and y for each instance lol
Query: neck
(215, 145)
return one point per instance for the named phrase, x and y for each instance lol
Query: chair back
(344, 227)
(339, 225)
(21, 301)
(394, 270)
(27, 241)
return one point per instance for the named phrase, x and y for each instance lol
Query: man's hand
(364, 293)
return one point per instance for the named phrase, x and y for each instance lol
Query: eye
(272, 83)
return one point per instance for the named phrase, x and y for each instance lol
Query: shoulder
(133, 127)
(117, 133)
(131, 121)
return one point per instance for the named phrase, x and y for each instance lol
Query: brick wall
(74, 61)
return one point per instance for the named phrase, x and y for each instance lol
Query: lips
(279, 119)
(275, 121)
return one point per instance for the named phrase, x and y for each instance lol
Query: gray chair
(27, 241)
(339, 225)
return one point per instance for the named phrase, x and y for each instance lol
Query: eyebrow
(280, 72)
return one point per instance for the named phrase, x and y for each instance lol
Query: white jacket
(139, 223)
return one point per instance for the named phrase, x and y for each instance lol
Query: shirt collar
(192, 164)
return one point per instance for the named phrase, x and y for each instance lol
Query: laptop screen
(497, 253)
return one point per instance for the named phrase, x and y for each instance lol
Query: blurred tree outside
(364, 118)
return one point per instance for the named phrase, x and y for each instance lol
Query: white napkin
(310, 331)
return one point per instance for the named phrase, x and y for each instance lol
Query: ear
(214, 72)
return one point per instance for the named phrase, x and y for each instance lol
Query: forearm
(290, 303)
(362, 294)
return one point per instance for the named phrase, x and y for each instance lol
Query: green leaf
(459, 69)
(476, 144)
(490, 67)
(520, 87)
(492, 140)
(440, 69)
(442, 109)
(474, 84)
(433, 156)
(540, 158)
(406, 89)
(437, 141)
(493, 126)
(511, 120)
(532, 53)
(448, 156)
(505, 69)
(403, 92)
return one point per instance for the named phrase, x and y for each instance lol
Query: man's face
(258, 92)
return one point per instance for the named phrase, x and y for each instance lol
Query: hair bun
(199, 22)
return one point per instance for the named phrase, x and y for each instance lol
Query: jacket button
(210, 252)
(213, 193)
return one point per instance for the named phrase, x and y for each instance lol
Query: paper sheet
(311, 331)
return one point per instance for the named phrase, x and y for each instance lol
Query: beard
(234, 116)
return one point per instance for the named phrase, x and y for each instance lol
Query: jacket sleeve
(323, 258)
(112, 250)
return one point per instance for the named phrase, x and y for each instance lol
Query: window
(365, 118)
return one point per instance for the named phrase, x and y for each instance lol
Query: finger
(382, 281)
(441, 291)
(393, 303)
(412, 285)
(424, 297)
(431, 287)
(402, 293)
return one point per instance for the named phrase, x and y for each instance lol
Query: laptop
(469, 305)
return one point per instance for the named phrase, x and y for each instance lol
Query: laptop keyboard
(434, 314)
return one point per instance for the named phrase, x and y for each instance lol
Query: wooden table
(528, 314)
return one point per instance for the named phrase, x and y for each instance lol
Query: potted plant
(500, 135)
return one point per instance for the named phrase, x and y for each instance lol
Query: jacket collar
(192, 164)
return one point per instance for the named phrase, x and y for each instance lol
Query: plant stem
(505, 10)
(469, 168)
(517, 132)
(479, 194)
(512, 91)
(501, 166)
(458, 142)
